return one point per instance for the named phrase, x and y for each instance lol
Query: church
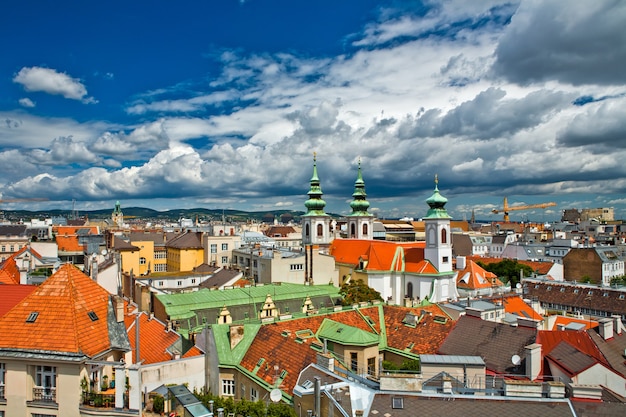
(404, 273)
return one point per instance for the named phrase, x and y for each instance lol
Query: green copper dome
(359, 205)
(437, 203)
(315, 205)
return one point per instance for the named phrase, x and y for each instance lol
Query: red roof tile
(381, 255)
(550, 339)
(61, 308)
(12, 294)
(515, 305)
(154, 340)
(9, 272)
(425, 337)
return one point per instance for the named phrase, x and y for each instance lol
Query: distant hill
(167, 215)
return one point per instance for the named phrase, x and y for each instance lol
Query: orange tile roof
(12, 294)
(516, 305)
(563, 320)
(69, 244)
(276, 344)
(474, 277)
(287, 344)
(154, 339)
(9, 272)
(381, 255)
(425, 337)
(549, 339)
(62, 305)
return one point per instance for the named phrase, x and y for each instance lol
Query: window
(32, 317)
(213, 247)
(296, 267)
(224, 246)
(160, 267)
(180, 283)
(354, 364)
(365, 229)
(445, 259)
(4, 248)
(228, 387)
(397, 402)
(45, 383)
(142, 261)
(224, 259)
(444, 236)
(320, 231)
(254, 394)
(193, 280)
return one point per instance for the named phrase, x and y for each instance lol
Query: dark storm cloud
(489, 115)
(604, 125)
(576, 42)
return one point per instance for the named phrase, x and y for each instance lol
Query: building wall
(188, 371)
(130, 261)
(599, 375)
(184, 259)
(582, 262)
(20, 381)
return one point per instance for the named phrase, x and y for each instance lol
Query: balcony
(45, 394)
(99, 400)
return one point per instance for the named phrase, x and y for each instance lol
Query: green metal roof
(182, 305)
(228, 357)
(345, 334)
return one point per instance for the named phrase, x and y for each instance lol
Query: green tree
(507, 270)
(356, 291)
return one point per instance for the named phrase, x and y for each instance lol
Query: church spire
(437, 203)
(359, 205)
(315, 205)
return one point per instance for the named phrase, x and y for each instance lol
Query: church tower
(315, 222)
(360, 221)
(117, 216)
(438, 239)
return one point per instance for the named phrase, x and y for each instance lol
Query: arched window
(307, 231)
(365, 229)
(444, 236)
(352, 230)
(320, 230)
(409, 290)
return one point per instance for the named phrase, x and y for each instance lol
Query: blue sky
(222, 104)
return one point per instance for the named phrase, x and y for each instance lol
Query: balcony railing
(101, 400)
(1, 391)
(45, 394)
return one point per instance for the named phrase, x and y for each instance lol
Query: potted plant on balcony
(84, 387)
(104, 385)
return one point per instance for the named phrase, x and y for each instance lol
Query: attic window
(440, 319)
(260, 362)
(397, 402)
(576, 291)
(283, 374)
(32, 317)
(621, 296)
(339, 330)
(606, 294)
(92, 315)
(549, 288)
(307, 384)
(410, 320)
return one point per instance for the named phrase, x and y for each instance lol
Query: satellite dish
(518, 285)
(275, 395)
(104, 252)
(516, 360)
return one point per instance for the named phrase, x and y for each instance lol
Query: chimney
(618, 326)
(317, 406)
(533, 361)
(118, 307)
(606, 328)
(460, 263)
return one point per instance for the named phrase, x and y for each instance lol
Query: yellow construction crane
(505, 208)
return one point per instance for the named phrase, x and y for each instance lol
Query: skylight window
(92, 315)
(32, 317)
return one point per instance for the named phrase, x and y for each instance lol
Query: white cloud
(26, 102)
(52, 82)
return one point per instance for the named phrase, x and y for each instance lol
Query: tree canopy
(356, 291)
(508, 270)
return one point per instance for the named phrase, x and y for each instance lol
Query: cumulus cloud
(39, 79)
(575, 42)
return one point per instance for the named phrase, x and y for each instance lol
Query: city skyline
(221, 105)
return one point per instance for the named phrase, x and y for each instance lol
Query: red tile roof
(154, 340)
(9, 272)
(60, 308)
(12, 294)
(580, 340)
(564, 321)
